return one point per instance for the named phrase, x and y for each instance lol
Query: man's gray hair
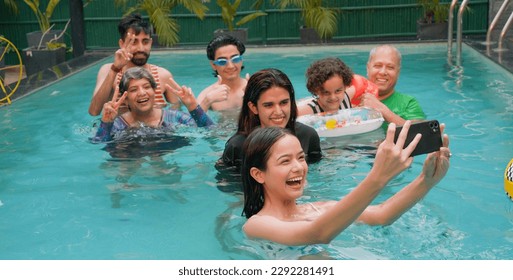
(398, 53)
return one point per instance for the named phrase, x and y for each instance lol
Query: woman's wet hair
(256, 153)
(135, 73)
(324, 69)
(258, 83)
(135, 22)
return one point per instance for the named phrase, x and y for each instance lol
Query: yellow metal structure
(9, 85)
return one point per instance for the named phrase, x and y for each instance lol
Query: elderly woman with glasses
(225, 55)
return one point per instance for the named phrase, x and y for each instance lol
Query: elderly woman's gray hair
(136, 73)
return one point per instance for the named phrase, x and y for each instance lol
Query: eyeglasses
(224, 61)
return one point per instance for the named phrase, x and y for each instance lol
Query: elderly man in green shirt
(383, 69)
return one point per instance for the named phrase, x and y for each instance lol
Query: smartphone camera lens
(433, 126)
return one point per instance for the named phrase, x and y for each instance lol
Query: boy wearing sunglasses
(225, 55)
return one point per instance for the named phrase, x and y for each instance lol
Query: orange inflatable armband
(361, 86)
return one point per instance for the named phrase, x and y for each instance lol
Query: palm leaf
(160, 15)
(323, 20)
(250, 17)
(42, 20)
(195, 6)
(12, 5)
(228, 12)
(51, 6)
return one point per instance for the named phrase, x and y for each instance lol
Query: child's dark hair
(324, 69)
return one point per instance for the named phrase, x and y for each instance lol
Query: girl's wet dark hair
(324, 69)
(135, 73)
(135, 22)
(258, 83)
(221, 41)
(256, 152)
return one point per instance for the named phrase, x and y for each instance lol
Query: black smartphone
(431, 140)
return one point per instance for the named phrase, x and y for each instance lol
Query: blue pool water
(62, 197)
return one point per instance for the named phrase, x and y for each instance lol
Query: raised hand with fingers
(124, 54)
(184, 93)
(110, 109)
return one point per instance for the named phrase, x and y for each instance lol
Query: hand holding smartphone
(430, 141)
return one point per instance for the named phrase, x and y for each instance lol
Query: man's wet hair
(134, 22)
(221, 41)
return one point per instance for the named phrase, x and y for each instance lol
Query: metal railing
(503, 32)
(494, 23)
(450, 27)
(459, 31)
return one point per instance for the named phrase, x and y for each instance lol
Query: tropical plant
(433, 11)
(159, 13)
(12, 5)
(315, 15)
(43, 19)
(229, 11)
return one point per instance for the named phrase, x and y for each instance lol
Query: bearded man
(134, 51)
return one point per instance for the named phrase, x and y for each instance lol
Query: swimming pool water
(62, 197)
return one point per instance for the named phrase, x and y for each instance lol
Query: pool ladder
(488, 34)
(503, 31)
(459, 29)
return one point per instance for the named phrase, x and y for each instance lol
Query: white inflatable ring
(344, 122)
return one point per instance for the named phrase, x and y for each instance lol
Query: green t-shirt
(405, 106)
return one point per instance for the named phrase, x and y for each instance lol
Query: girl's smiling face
(273, 107)
(331, 94)
(286, 169)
